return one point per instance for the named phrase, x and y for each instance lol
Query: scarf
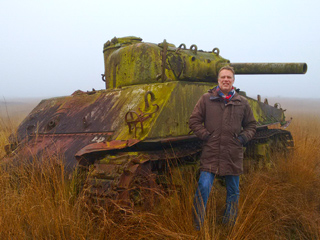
(228, 97)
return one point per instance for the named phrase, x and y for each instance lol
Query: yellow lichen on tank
(174, 117)
(200, 67)
(266, 114)
(257, 112)
(134, 64)
(262, 149)
(118, 159)
(128, 99)
(162, 93)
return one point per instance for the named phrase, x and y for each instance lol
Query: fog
(53, 48)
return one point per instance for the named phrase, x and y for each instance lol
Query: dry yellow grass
(38, 201)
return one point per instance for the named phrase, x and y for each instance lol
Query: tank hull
(99, 121)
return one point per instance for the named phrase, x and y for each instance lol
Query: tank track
(121, 176)
(264, 134)
(281, 136)
(273, 140)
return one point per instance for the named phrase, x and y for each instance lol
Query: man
(224, 121)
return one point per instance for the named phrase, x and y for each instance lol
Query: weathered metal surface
(134, 118)
(269, 68)
(86, 123)
(270, 140)
(106, 146)
(266, 114)
(115, 173)
(64, 145)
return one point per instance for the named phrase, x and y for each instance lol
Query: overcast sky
(54, 47)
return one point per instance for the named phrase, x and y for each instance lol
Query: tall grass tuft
(40, 201)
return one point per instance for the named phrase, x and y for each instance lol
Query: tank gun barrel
(269, 68)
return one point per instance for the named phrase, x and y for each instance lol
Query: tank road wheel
(266, 146)
(279, 145)
(143, 190)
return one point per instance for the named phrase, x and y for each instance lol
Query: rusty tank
(130, 133)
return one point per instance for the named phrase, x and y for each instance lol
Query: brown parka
(224, 129)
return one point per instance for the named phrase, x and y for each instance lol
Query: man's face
(225, 81)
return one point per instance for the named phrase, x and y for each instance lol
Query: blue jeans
(202, 194)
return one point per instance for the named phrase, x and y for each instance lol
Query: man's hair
(226, 68)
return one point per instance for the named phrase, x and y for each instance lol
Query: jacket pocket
(236, 140)
(210, 141)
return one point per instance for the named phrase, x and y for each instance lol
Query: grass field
(38, 201)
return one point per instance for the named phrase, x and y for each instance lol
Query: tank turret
(129, 61)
